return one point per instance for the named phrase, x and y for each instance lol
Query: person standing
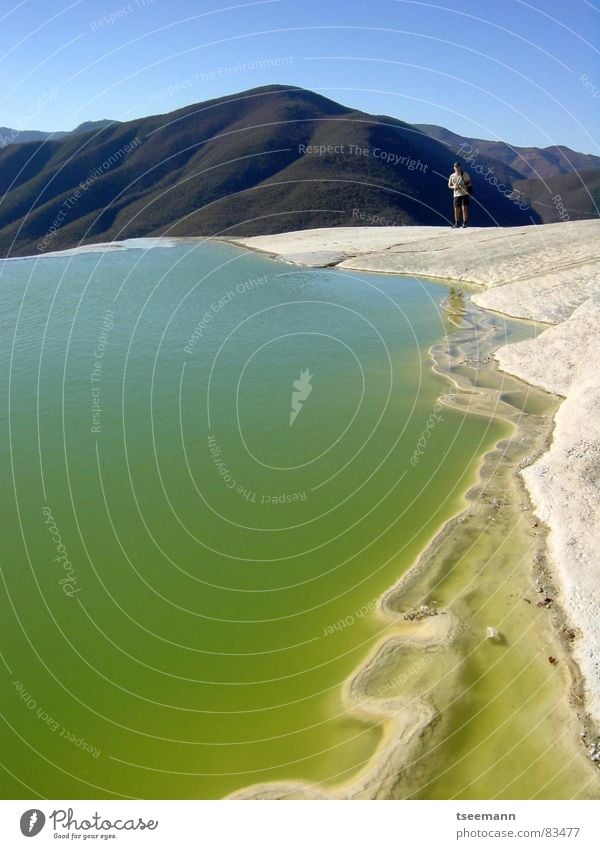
(460, 183)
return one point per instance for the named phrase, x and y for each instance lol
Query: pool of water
(216, 465)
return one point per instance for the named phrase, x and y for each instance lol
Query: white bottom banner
(301, 824)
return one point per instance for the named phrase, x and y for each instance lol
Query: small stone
(594, 753)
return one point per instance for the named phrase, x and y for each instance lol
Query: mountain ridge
(269, 159)
(10, 136)
(527, 162)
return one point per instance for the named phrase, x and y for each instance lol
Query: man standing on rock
(460, 183)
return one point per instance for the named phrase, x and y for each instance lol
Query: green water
(223, 565)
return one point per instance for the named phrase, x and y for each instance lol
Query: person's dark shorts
(462, 200)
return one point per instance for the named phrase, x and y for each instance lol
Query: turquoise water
(188, 577)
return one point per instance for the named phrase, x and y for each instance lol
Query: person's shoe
(455, 226)
(464, 226)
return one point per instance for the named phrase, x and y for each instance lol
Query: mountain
(10, 136)
(266, 160)
(524, 162)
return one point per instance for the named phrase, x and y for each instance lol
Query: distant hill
(569, 197)
(86, 126)
(524, 162)
(11, 136)
(262, 161)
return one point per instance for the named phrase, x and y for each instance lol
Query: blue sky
(524, 72)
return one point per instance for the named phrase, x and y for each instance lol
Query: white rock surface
(489, 257)
(548, 273)
(565, 482)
